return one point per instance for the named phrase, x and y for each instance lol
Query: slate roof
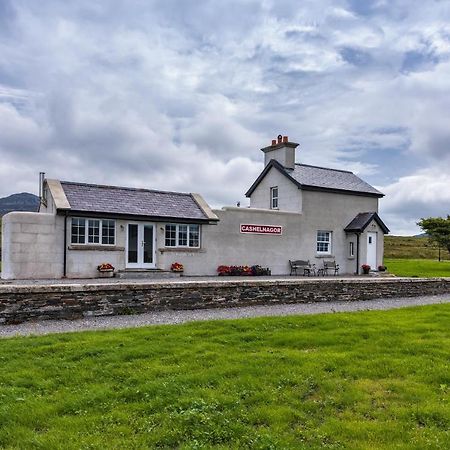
(360, 222)
(320, 178)
(330, 178)
(114, 200)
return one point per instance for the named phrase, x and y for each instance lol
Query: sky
(181, 95)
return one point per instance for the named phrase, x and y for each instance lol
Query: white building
(296, 212)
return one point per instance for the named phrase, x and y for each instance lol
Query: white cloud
(423, 194)
(181, 95)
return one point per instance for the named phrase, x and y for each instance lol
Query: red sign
(261, 229)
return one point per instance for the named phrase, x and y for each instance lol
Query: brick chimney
(282, 151)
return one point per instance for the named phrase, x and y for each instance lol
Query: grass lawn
(349, 380)
(418, 267)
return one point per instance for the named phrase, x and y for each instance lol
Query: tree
(438, 230)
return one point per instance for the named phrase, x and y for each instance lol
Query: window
(78, 231)
(182, 235)
(93, 231)
(171, 235)
(351, 249)
(108, 232)
(274, 197)
(324, 242)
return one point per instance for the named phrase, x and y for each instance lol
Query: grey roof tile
(321, 177)
(95, 198)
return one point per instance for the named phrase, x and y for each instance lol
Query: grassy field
(414, 257)
(354, 380)
(418, 267)
(404, 247)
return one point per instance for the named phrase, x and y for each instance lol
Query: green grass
(418, 267)
(356, 380)
(408, 247)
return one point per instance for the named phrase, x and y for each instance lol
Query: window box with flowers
(242, 271)
(105, 270)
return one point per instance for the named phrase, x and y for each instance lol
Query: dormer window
(274, 197)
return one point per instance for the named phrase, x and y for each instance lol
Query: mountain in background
(19, 202)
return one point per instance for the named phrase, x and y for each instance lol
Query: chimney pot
(285, 139)
(280, 138)
(274, 142)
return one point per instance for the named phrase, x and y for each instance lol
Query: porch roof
(362, 220)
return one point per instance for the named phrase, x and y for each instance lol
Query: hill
(19, 202)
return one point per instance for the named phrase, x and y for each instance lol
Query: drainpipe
(65, 247)
(357, 253)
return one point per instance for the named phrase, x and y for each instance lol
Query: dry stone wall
(73, 301)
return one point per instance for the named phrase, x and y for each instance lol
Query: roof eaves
(272, 163)
(307, 187)
(128, 216)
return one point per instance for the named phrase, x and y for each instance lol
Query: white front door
(372, 250)
(140, 249)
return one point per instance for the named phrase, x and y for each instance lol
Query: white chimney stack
(282, 151)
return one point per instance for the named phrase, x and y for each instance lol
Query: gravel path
(176, 317)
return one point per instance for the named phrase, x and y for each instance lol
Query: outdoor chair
(300, 267)
(330, 267)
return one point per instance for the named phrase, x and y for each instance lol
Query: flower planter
(105, 273)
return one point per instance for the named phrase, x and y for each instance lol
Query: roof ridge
(325, 168)
(107, 186)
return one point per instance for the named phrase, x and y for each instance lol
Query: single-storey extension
(297, 211)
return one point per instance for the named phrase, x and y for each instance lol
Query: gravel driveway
(176, 317)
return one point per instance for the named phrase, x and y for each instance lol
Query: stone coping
(129, 285)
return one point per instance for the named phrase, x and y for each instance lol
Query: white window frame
(177, 235)
(329, 242)
(86, 232)
(274, 199)
(351, 249)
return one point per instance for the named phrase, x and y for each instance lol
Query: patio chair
(330, 267)
(300, 267)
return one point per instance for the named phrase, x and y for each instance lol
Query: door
(372, 250)
(140, 249)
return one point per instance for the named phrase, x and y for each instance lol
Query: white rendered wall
(83, 259)
(32, 245)
(224, 244)
(289, 196)
(333, 212)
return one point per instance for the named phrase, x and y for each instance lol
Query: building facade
(296, 212)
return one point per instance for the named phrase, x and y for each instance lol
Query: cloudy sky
(182, 94)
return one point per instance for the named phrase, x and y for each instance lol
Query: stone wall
(73, 301)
